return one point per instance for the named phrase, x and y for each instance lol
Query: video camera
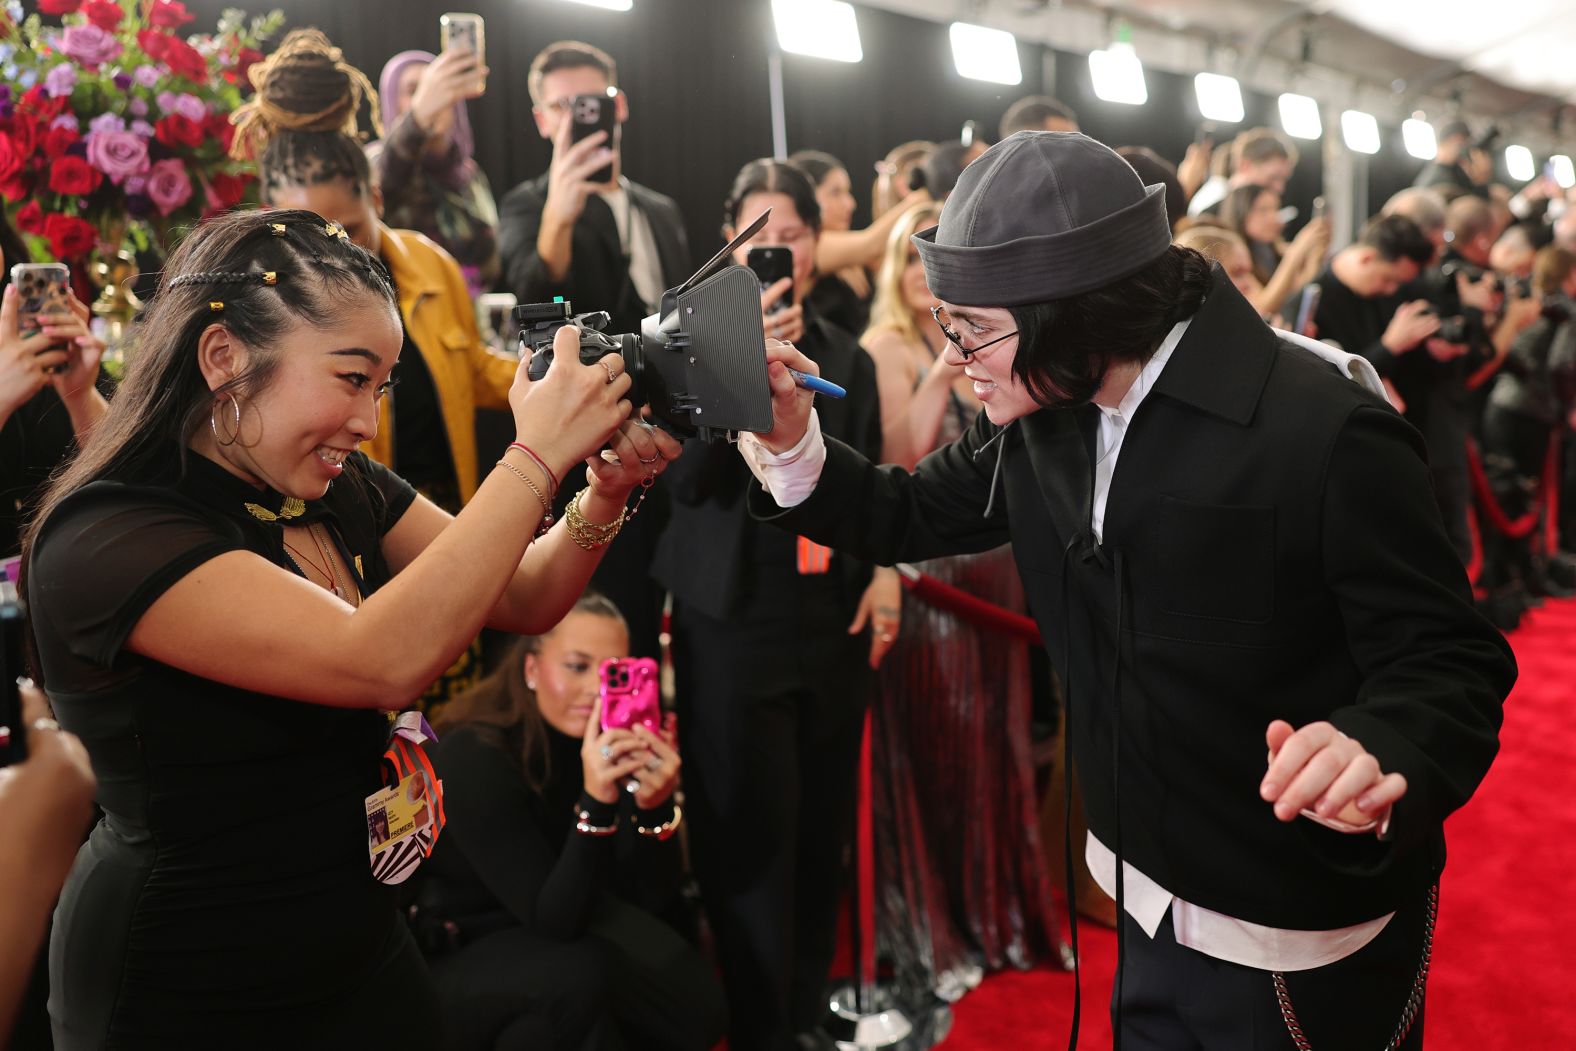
(697, 362)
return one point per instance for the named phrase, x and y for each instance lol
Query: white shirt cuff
(791, 476)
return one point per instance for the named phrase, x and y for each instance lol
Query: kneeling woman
(541, 907)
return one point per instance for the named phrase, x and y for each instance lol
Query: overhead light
(1418, 135)
(1117, 74)
(1219, 97)
(1518, 162)
(1300, 116)
(981, 53)
(1360, 130)
(1564, 173)
(818, 28)
(607, 5)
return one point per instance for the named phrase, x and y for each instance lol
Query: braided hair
(301, 125)
(259, 274)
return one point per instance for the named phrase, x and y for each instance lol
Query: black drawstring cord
(1116, 805)
(1069, 884)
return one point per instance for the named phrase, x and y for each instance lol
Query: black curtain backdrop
(696, 75)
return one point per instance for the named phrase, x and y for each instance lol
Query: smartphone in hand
(1307, 308)
(631, 694)
(771, 264)
(458, 31)
(43, 288)
(589, 114)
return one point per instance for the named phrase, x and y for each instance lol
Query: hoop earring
(213, 420)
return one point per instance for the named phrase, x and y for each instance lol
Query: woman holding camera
(772, 667)
(224, 627)
(551, 913)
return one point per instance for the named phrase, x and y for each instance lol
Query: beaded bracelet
(547, 508)
(584, 826)
(589, 535)
(665, 830)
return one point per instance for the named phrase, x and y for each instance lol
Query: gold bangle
(666, 830)
(589, 535)
(547, 509)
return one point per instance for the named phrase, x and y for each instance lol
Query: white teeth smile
(334, 457)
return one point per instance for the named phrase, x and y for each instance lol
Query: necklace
(331, 573)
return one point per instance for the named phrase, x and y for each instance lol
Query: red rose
(12, 160)
(30, 218)
(226, 191)
(176, 131)
(218, 127)
(58, 7)
(153, 42)
(106, 14)
(169, 14)
(184, 60)
(38, 103)
(240, 73)
(24, 133)
(74, 177)
(69, 237)
(57, 140)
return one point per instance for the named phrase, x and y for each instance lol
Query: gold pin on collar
(293, 507)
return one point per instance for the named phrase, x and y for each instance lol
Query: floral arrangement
(113, 126)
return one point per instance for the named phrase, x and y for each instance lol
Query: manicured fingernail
(1365, 804)
(1269, 790)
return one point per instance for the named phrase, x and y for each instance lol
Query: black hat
(1043, 215)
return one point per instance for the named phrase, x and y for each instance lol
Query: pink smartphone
(631, 694)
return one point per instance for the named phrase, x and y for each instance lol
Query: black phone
(589, 114)
(13, 728)
(771, 264)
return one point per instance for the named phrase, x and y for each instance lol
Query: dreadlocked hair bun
(304, 86)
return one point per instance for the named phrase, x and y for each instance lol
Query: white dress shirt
(640, 245)
(791, 477)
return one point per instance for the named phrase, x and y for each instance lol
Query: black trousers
(771, 708)
(630, 983)
(1177, 999)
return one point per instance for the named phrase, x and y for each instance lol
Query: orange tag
(813, 557)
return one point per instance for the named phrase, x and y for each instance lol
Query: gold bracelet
(663, 831)
(589, 535)
(547, 508)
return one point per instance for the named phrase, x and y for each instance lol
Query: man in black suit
(603, 243)
(1277, 685)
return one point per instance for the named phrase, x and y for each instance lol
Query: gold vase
(113, 270)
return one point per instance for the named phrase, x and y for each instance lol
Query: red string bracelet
(540, 463)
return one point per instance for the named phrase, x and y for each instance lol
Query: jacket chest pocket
(1213, 561)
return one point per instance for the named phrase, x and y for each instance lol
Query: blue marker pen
(817, 385)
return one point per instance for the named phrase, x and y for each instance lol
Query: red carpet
(1504, 975)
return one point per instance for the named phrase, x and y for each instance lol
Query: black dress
(225, 897)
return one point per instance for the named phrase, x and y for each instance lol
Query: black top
(228, 878)
(1271, 550)
(36, 439)
(835, 300)
(509, 856)
(421, 445)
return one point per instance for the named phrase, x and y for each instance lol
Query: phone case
(459, 30)
(591, 114)
(631, 694)
(771, 265)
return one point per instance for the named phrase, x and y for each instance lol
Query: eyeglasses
(565, 104)
(944, 322)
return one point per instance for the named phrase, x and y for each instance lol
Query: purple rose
(89, 45)
(169, 186)
(136, 184)
(61, 80)
(107, 122)
(147, 76)
(123, 81)
(143, 128)
(7, 110)
(189, 106)
(166, 101)
(137, 107)
(66, 120)
(118, 154)
(5, 92)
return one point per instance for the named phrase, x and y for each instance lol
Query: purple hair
(388, 97)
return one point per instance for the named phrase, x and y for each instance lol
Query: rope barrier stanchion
(1519, 529)
(1551, 494)
(975, 610)
(1475, 567)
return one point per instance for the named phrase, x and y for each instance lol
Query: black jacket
(1530, 384)
(598, 277)
(705, 554)
(1271, 550)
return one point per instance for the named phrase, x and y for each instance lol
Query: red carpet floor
(1504, 974)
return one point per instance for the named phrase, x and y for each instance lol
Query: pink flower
(118, 154)
(169, 186)
(89, 45)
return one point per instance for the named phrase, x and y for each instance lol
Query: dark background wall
(696, 75)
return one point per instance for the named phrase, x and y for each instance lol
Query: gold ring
(44, 724)
(612, 373)
(647, 462)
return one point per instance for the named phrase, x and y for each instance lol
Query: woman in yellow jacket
(300, 127)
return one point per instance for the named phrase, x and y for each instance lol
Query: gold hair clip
(336, 230)
(277, 228)
(215, 305)
(270, 277)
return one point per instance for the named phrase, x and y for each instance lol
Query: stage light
(987, 54)
(1564, 173)
(607, 5)
(1418, 135)
(1519, 163)
(1118, 75)
(1300, 116)
(818, 28)
(1219, 97)
(1360, 130)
